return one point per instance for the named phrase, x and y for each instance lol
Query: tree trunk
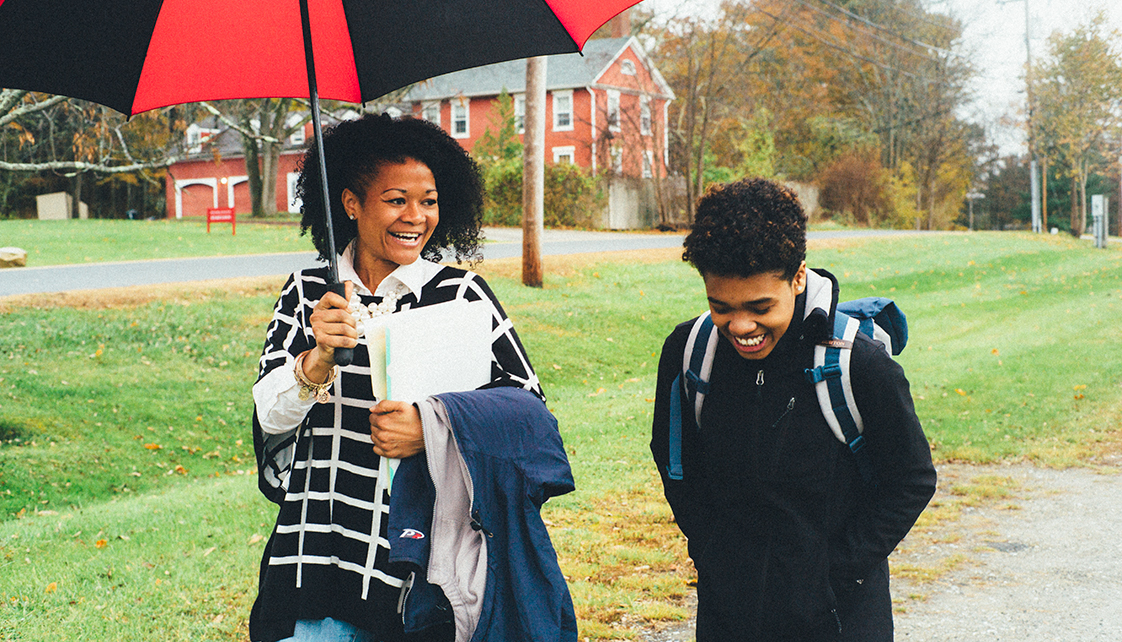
(1076, 213)
(76, 196)
(270, 159)
(1044, 194)
(253, 174)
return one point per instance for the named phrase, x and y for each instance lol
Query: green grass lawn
(100, 240)
(128, 507)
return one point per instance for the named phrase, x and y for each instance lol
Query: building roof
(564, 71)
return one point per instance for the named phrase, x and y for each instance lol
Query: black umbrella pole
(343, 356)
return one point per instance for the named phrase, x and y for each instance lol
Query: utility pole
(533, 173)
(972, 196)
(1034, 175)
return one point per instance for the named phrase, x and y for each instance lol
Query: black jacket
(782, 530)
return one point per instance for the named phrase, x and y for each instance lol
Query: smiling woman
(402, 192)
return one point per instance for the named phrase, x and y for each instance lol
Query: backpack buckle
(822, 373)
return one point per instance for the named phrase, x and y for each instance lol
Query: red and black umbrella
(137, 55)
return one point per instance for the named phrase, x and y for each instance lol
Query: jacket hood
(821, 304)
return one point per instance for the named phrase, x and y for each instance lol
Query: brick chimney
(620, 25)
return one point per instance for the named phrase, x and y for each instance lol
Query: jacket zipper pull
(477, 524)
(759, 385)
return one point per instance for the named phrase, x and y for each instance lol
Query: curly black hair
(746, 228)
(354, 150)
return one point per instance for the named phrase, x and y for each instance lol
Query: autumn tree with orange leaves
(837, 80)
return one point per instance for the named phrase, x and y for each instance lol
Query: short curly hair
(746, 228)
(354, 150)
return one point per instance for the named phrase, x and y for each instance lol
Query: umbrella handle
(343, 356)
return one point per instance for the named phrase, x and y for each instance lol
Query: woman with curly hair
(402, 193)
(789, 540)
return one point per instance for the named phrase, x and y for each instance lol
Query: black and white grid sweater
(322, 559)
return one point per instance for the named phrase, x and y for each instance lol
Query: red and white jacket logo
(410, 533)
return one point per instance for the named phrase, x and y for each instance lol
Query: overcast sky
(995, 40)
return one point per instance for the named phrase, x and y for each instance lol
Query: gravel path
(1041, 565)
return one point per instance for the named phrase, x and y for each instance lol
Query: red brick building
(605, 109)
(214, 175)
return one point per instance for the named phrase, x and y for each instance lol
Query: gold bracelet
(308, 388)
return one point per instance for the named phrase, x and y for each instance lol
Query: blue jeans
(328, 630)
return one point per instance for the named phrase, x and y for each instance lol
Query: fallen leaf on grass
(101, 543)
(153, 446)
(256, 538)
(960, 391)
(52, 587)
(598, 392)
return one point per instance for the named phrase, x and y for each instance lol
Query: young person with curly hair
(789, 541)
(402, 192)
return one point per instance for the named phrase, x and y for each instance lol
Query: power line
(845, 50)
(892, 32)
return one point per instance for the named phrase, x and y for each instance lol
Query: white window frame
(569, 151)
(520, 112)
(648, 163)
(430, 111)
(614, 115)
(558, 111)
(465, 105)
(627, 67)
(645, 115)
(617, 159)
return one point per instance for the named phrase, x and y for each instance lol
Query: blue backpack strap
(832, 383)
(674, 467)
(690, 386)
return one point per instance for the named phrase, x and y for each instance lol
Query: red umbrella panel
(137, 55)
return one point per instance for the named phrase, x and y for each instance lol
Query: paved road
(505, 242)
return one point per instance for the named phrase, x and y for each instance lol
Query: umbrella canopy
(137, 55)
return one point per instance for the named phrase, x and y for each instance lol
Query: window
(298, 137)
(460, 116)
(648, 163)
(627, 67)
(613, 110)
(645, 115)
(617, 160)
(520, 112)
(431, 112)
(563, 111)
(196, 136)
(564, 155)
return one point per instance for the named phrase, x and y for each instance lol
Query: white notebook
(425, 351)
(429, 350)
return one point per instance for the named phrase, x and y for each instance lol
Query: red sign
(221, 215)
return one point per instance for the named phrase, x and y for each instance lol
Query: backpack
(876, 317)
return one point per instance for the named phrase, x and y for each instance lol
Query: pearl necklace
(362, 312)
